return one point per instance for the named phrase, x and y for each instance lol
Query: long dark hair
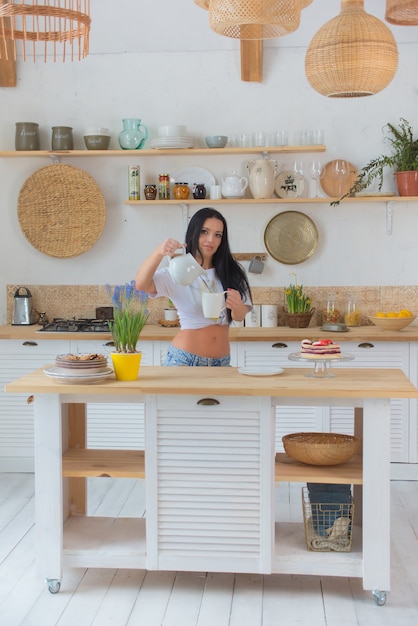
(229, 272)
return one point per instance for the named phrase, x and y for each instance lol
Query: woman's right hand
(170, 246)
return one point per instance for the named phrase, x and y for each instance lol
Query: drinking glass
(316, 172)
(341, 172)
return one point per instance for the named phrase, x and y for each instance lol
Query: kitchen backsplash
(68, 301)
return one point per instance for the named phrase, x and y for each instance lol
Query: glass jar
(181, 191)
(331, 311)
(352, 316)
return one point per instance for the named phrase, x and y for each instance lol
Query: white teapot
(184, 268)
(234, 186)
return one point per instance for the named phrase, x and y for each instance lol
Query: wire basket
(321, 448)
(328, 526)
(299, 320)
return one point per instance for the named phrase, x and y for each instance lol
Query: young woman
(200, 341)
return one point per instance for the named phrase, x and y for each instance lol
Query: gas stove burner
(86, 325)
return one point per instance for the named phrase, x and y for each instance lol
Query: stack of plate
(164, 143)
(76, 368)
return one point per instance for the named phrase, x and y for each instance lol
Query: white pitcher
(234, 186)
(262, 177)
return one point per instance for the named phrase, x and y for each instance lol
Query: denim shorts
(175, 356)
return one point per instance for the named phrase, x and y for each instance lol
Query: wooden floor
(140, 598)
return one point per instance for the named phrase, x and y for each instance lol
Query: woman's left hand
(234, 302)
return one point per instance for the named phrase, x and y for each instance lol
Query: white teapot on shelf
(262, 177)
(234, 186)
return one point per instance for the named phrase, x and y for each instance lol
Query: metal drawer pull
(365, 344)
(29, 343)
(208, 401)
(279, 345)
(110, 344)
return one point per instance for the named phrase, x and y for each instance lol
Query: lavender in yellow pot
(130, 314)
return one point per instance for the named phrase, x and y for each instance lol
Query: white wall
(161, 62)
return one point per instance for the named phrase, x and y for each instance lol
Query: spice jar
(352, 316)
(164, 187)
(331, 310)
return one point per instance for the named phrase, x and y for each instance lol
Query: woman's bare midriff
(210, 341)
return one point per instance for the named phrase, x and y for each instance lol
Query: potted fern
(403, 161)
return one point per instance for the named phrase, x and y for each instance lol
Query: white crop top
(188, 299)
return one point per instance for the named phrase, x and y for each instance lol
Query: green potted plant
(403, 160)
(130, 314)
(170, 312)
(298, 306)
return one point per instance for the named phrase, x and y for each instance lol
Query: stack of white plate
(164, 143)
(76, 368)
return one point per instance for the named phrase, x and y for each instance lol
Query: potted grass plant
(298, 306)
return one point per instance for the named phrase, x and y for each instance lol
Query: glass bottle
(352, 315)
(331, 310)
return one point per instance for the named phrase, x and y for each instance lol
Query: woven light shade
(254, 19)
(402, 12)
(205, 3)
(57, 26)
(352, 55)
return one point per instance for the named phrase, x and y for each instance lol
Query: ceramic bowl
(392, 323)
(216, 141)
(97, 138)
(172, 130)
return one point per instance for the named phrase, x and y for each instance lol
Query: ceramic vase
(262, 177)
(126, 365)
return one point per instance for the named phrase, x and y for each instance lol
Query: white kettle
(262, 177)
(234, 186)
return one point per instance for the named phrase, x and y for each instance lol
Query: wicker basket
(402, 12)
(299, 320)
(352, 55)
(321, 448)
(328, 527)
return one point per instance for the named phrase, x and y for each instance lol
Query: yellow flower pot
(126, 364)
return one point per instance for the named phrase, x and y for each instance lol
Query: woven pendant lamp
(352, 55)
(402, 12)
(56, 26)
(254, 19)
(205, 3)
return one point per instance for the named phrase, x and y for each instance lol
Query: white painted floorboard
(108, 597)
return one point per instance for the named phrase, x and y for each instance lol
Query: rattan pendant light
(402, 12)
(56, 27)
(352, 55)
(254, 19)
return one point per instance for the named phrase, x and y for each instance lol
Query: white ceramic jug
(234, 186)
(184, 268)
(262, 177)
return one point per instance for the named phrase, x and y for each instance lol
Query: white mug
(268, 315)
(213, 304)
(252, 319)
(184, 269)
(215, 192)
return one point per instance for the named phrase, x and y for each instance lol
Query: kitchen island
(210, 467)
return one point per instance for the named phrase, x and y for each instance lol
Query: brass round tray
(61, 210)
(291, 237)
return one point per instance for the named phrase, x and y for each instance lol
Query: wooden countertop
(350, 383)
(280, 333)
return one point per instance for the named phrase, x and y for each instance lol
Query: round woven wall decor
(61, 211)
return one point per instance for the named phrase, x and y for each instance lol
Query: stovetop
(60, 325)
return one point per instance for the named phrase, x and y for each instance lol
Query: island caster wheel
(379, 596)
(54, 585)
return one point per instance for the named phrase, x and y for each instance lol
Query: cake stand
(321, 364)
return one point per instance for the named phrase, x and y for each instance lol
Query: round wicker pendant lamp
(254, 19)
(205, 3)
(55, 26)
(402, 12)
(352, 55)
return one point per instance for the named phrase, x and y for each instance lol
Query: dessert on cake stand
(321, 363)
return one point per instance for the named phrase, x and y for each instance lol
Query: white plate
(260, 371)
(289, 184)
(70, 377)
(191, 175)
(162, 143)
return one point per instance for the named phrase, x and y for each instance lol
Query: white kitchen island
(210, 469)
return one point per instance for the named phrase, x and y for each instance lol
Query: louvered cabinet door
(209, 503)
